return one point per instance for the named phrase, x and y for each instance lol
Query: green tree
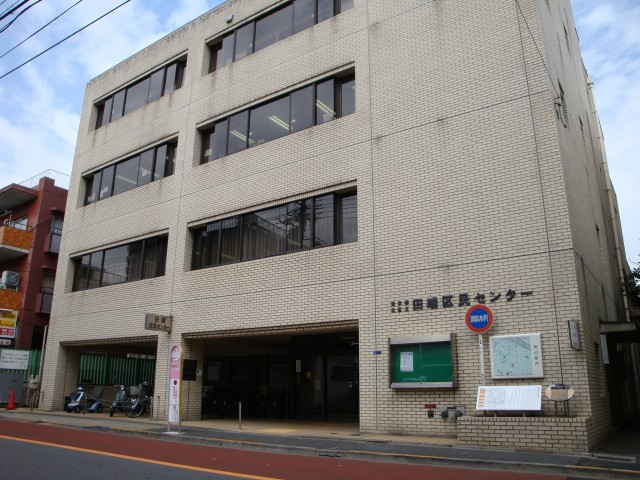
(632, 287)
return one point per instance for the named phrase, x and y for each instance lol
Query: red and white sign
(479, 318)
(175, 376)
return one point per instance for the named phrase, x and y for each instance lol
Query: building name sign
(159, 323)
(449, 301)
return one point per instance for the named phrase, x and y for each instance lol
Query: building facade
(32, 217)
(330, 199)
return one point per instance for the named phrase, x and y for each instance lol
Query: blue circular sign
(479, 318)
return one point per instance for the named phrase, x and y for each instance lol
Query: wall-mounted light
(230, 18)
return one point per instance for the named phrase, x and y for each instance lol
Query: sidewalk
(617, 458)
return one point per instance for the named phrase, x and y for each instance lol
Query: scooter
(118, 402)
(81, 399)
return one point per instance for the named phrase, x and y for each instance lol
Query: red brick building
(31, 218)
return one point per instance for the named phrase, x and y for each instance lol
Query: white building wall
(467, 182)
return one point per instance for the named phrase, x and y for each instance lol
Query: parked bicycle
(138, 402)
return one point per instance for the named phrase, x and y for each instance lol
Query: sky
(40, 103)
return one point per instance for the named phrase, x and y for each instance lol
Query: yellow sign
(8, 323)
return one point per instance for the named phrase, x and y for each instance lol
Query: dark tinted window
(146, 166)
(244, 41)
(274, 27)
(238, 131)
(325, 10)
(302, 112)
(230, 237)
(161, 162)
(93, 188)
(156, 85)
(347, 97)
(170, 82)
(215, 142)
(95, 270)
(136, 260)
(325, 102)
(137, 95)
(126, 175)
(118, 105)
(224, 52)
(324, 223)
(269, 121)
(114, 269)
(328, 219)
(304, 14)
(345, 5)
(348, 219)
(107, 182)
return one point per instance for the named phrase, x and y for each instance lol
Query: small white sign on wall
(14, 359)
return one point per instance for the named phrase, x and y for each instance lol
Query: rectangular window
(156, 85)
(118, 105)
(126, 263)
(107, 182)
(146, 166)
(302, 114)
(93, 188)
(114, 269)
(293, 17)
(325, 102)
(274, 27)
(56, 233)
(329, 219)
(222, 53)
(325, 10)
(324, 221)
(150, 88)
(95, 270)
(304, 14)
(137, 95)
(244, 41)
(238, 131)
(152, 164)
(311, 105)
(126, 175)
(269, 122)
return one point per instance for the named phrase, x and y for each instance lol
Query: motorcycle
(119, 400)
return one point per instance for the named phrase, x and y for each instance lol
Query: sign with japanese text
(175, 377)
(517, 397)
(14, 359)
(450, 301)
(516, 356)
(159, 323)
(479, 319)
(8, 323)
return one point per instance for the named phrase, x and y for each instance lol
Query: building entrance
(288, 377)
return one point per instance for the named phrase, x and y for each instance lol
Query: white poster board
(14, 359)
(520, 398)
(516, 356)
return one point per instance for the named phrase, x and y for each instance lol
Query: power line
(2, 29)
(40, 29)
(64, 39)
(12, 8)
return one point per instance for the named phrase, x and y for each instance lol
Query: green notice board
(422, 362)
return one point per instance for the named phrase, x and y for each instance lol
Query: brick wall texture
(470, 179)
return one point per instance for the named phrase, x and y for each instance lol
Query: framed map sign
(516, 356)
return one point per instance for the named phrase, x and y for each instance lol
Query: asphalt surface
(618, 457)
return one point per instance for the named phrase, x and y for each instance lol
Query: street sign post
(479, 319)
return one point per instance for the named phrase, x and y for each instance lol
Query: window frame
(336, 83)
(207, 257)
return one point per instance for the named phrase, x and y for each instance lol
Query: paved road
(32, 451)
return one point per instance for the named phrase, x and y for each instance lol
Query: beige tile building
(327, 197)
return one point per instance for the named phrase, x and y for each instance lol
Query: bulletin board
(422, 361)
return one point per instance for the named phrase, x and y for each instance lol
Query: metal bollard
(239, 415)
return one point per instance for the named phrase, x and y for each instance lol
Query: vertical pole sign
(175, 388)
(479, 319)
